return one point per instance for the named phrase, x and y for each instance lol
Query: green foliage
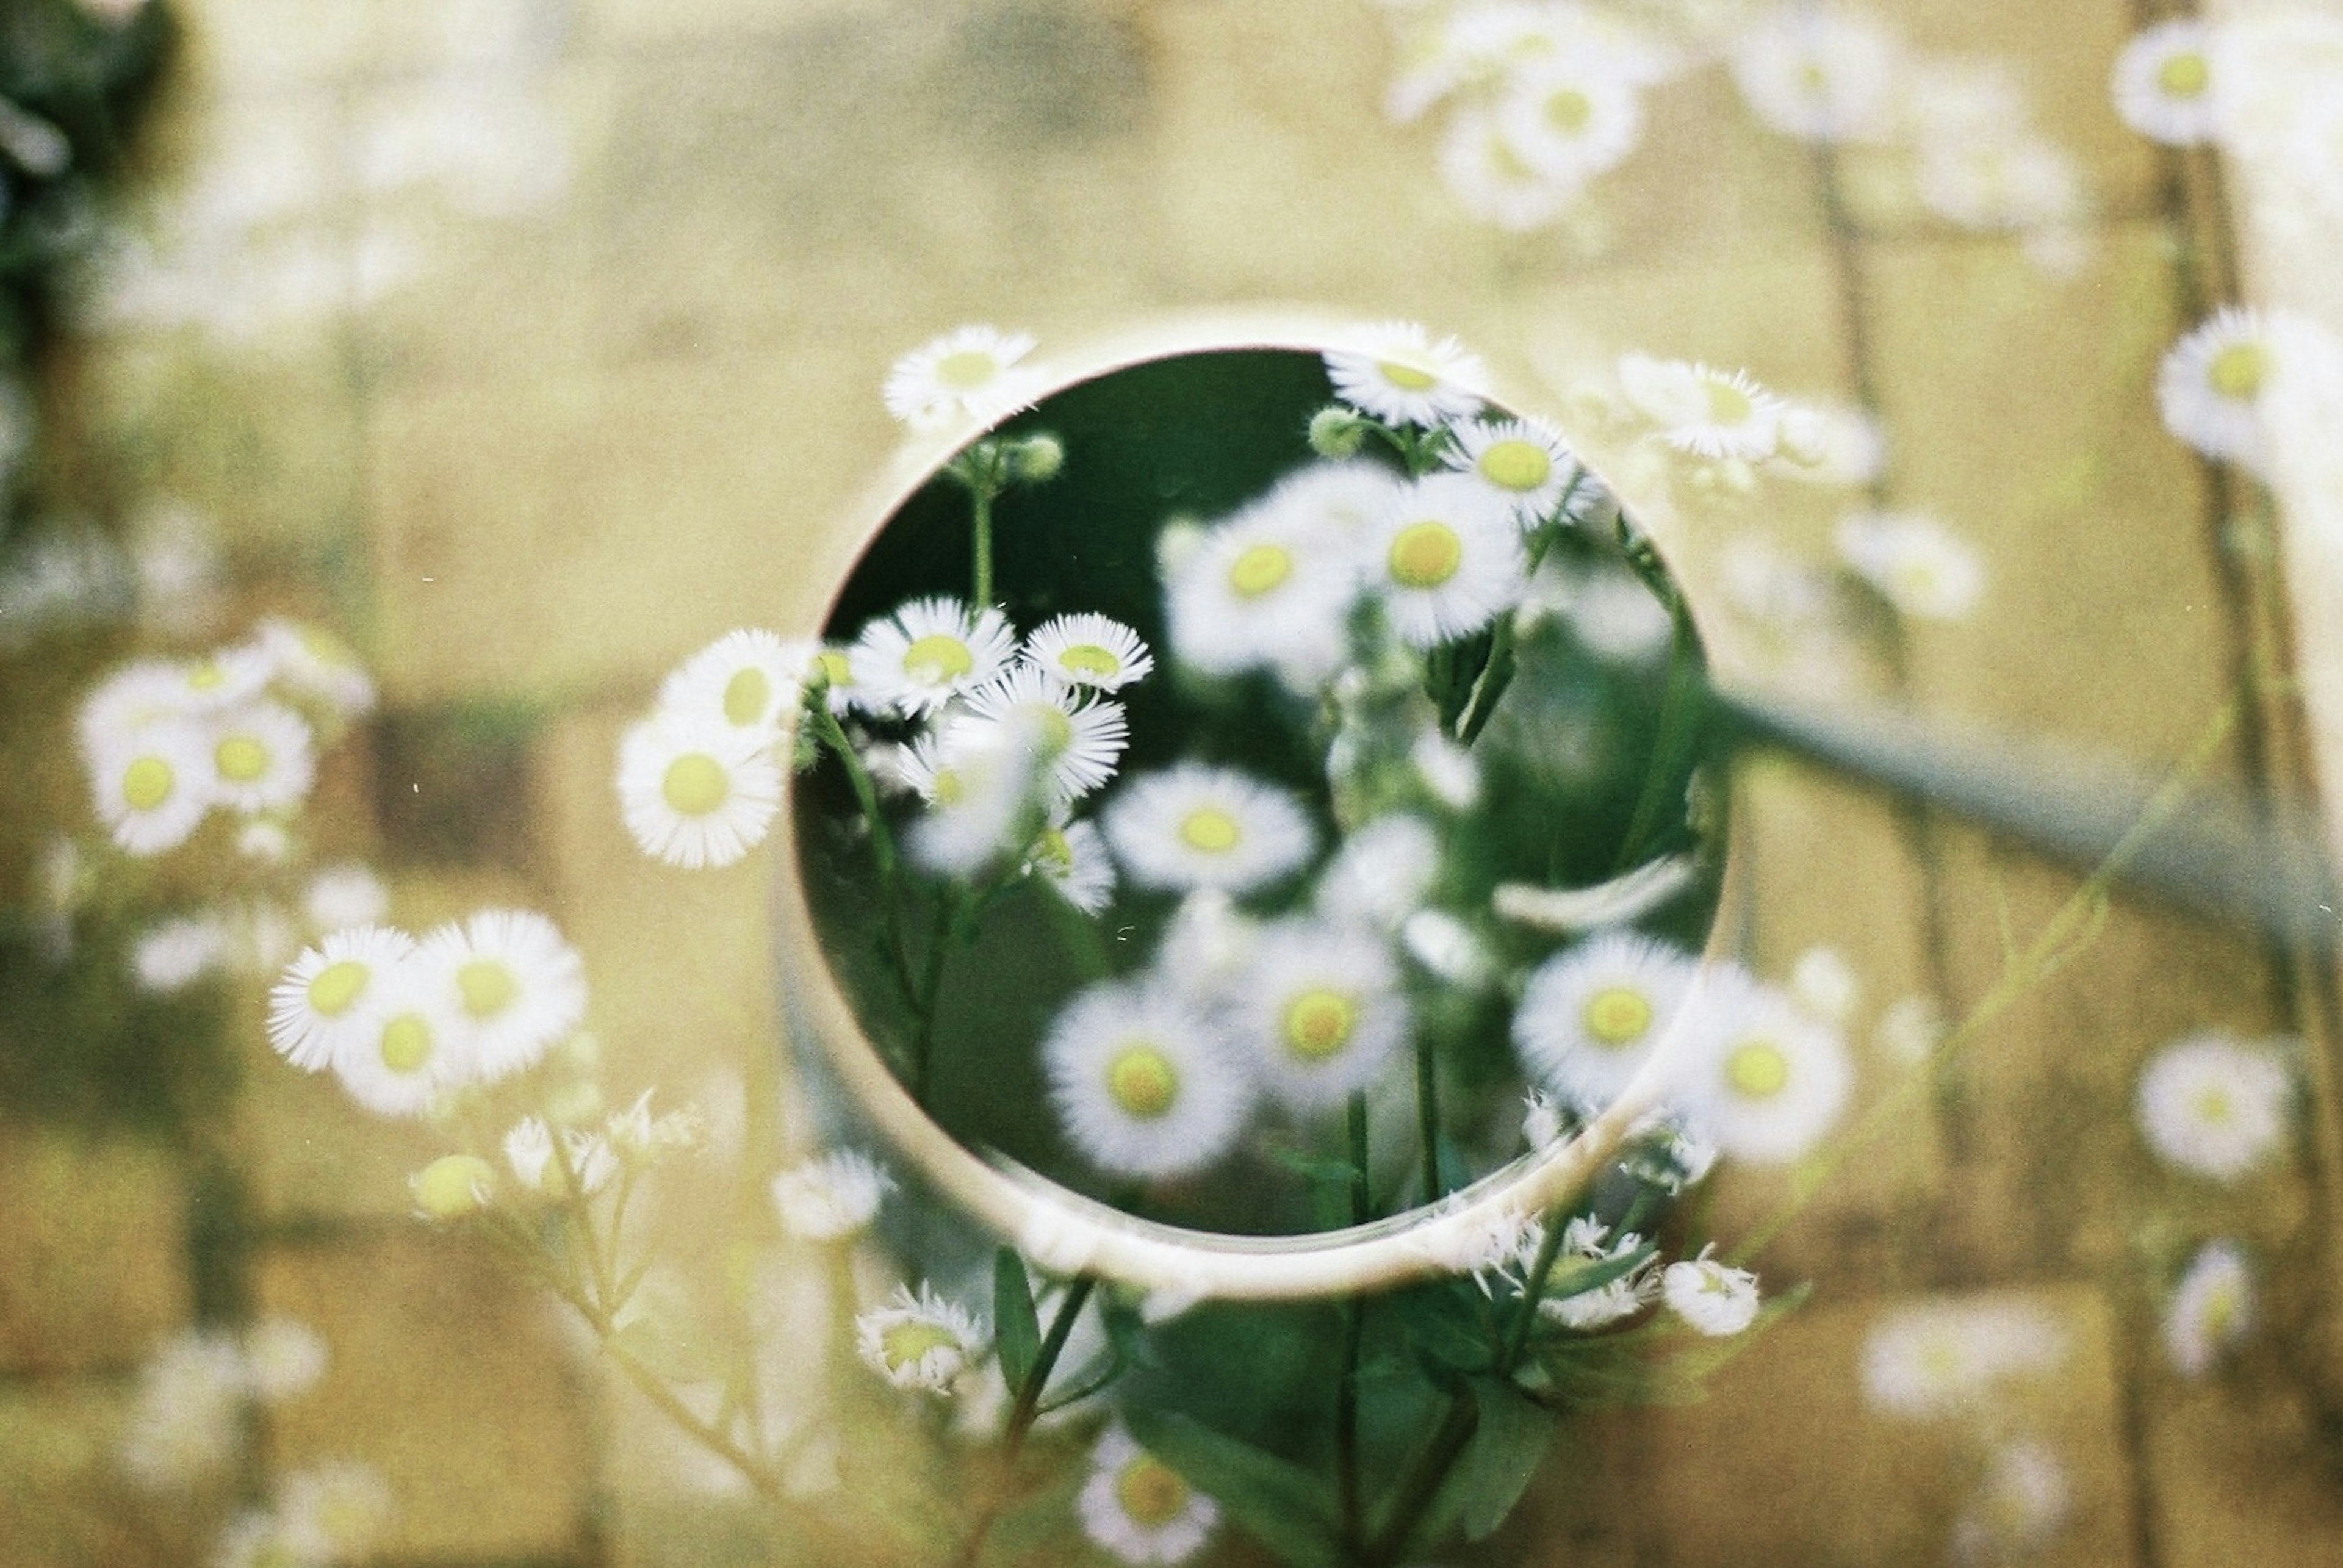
(1016, 1331)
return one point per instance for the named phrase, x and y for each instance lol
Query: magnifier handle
(2218, 852)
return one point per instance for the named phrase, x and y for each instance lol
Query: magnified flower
(1139, 1084)
(1446, 560)
(226, 677)
(919, 1343)
(1140, 1509)
(927, 652)
(1763, 1079)
(971, 372)
(1591, 1015)
(262, 759)
(2216, 386)
(831, 1196)
(750, 680)
(1525, 462)
(1381, 874)
(1400, 375)
(152, 785)
(513, 986)
(2166, 84)
(1918, 564)
(2215, 1106)
(1823, 76)
(1089, 649)
(2212, 1309)
(1716, 1300)
(985, 783)
(696, 793)
(1071, 860)
(408, 1053)
(1193, 826)
(1080, 737)
(1269, 586)
(329, 1000)
(1699, 409)
(1320, 1013)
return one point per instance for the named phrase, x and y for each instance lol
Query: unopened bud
(1337, 432)
(1037, 459)
(453, 1186)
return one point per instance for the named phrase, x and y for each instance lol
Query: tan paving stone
(2238, 1476)
(94, 1239)
(447, 1376)
(1781, 1462)
(63, 1501)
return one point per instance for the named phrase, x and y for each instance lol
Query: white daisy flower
(1919, 566)
(330, 997)
(637, 1136)
(1702, 410)
(313, 662)
(1070, 860)
(1081, 736)
(1320, 1014)
(265, 840)
(2215, 1106)
(152, 786)
(1909, 1028)
(408, 1052)
(834, 665)
(1622, 1298)
(263, 759)
(929, 651)
(1139, 1083)
(1329, 500)
(1382, 874)
(1194, 825)
(2022, 1502)
(2217, 386)
(1399, 374)
(1449, 771)
(750, 680)
(1716, 1300)
(343, 895)
(1825, 985)
(1572, 118)
(1822, 76)
(1448, 948)
(512, 985)
(1524, 463)
(529, 1151)
(1446, 560)
(284, 1358)
(141, 693)
(1614, 616)
(2014, 182)
(2212, 1309)
(2166, 84)
(1139, 1508)
(1207, 947)
(985, 783)
(695, 794)
(343, 1502)
(919, 1343)
(1088, 650)
(973, 372)
(222, 679)
(186, 1421)
(1828, 443)
(1765, 1082)
(177, 952)
(1590, 1016)
(1492, 182)
(831, 1196)
(1269, 586)
(1939, 1358)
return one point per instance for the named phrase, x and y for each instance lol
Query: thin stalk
(981, 542)
(882, 845)
(1421, 1483)
(1053, 1344)
(1354, 1320)
(1517, 1338)
(924, 1004)
(1680, 708)
(1427, 1115)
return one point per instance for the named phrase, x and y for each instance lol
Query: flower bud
(1337, 432)
(1037, 459)
(453, 1187)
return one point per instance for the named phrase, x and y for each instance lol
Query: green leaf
(1335, 1172)
(1505, 1451)
(1576, 1276)
(1279, 1503)
(1017, 1331)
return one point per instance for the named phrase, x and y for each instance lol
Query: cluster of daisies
(189, 1425)
(1545, 96)
(2217, 1110)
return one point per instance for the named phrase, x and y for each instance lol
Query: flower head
(331, 997)
(2212, 1309)
(2215, 1106)
(1193, 826)
(919, 1343)
(1572, 118)
(2218, 387)
(152, 785)
(262, 756)
(1713, 1298)
(1445, 558)
(177, 952)
(971, 373)
(313, 662)
(1070, 860)
(1079, 737)
(1492, 181)
(1701, 411)
(2166, 83)
(929, 651)
(186, 1419)
(1918, 564)
(1320, 1013)
(987, 784)
(1139, 1508)
(513, 986)
(695, 793)
(1088, 650)
(1622, 1297)
(1399, 374)
(1761, 1078)
(750, 680)
(284, 1358)
(1524, 463)
(1139, 1083)
(348, 894)
(1592, 1015)
(1382, 874)
(1940, 1357)
(1269, 586)
(831, 1196)
(1819, 75)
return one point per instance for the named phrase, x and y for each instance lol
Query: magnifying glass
(939, 985)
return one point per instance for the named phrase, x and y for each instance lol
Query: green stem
(1517, 1339)
(1355, 1320)
(1680, 710)
(980, 524)
(1427, 1115)
(923, 1002)
(1422, 1482)
(1022, 1415)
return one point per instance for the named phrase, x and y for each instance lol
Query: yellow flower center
(206, 676)
(1917, 579)
(907, 1344)
(695, 784)
(1210, 830)
(1727, 403)
(1514, 465)
(1569, 110)
(967, 370)
(241, 759)
(1057, 729)
(1258, 569)
(2222, 1306)
(2183, 76)
(325, 646)
(1151, 1492)
(2239, 371)
(747, 695)
(948, 789)
(406, 1044)
(1052, 851)
(1508, 163)
(937, 657)
(335, 989)
(147, 783)
(489, 986)
(1141, 1081)
(835, 668)
(1757, 1070)
(1089, 659)
(1426, 555)
(1813, 80)
(453, 1185)
(1406, 377)
(1318, 1023)
(1617, 1017)
(2214, 1106)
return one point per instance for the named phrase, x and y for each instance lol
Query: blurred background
(532, 343)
